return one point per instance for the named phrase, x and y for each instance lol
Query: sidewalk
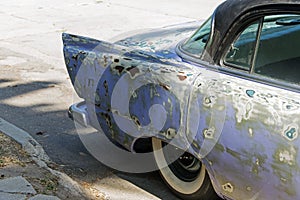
(26, 171)
(19, 188)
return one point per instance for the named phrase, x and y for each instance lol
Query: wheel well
(142, 145)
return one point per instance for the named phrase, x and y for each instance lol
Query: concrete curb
(36, 151)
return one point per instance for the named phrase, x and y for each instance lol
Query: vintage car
(226, 97)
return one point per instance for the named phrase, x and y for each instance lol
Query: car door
(248, 112)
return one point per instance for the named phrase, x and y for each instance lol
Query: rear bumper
(78, 113)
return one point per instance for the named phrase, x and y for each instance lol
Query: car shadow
(57, 134)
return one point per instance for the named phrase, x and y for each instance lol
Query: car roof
(229, 11)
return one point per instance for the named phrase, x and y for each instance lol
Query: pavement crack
(23, 18)
(7, 192)
(150, 11)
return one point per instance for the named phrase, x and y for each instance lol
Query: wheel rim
(186, 167)
(183, 184)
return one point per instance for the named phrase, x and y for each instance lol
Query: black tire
(188, 180)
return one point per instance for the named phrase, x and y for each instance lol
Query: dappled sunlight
(18, 94)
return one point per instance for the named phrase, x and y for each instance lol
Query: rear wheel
(186, 176)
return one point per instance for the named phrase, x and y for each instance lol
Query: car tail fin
(94, 56)
(76, 49)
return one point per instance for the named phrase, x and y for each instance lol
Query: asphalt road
(35, 91)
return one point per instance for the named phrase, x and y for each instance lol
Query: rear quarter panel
(130, 93)
(247, 134)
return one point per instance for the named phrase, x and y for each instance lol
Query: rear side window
(269, 47)
(240, 54)
(278, 53)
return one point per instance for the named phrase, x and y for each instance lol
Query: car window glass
(196, 44)
(240, 54)
(278, 54)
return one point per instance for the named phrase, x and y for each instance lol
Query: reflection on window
(196, 44)
(279, 49)
(241, 52)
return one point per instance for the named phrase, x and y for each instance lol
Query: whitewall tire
(186, 176)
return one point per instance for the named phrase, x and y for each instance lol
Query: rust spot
(291, 132)
(196, 145)
(171, 133)
(40, 133)
(119, 68)
(133, 70)
(288, 107)
(108, 120)
(75, 57)
(182, 77)
(250, 93)
(136, 120)
(286, 156)
(91, 82)
(166, 87)
(97, 99)
(228, 187)
(209, 133)
(251, 132)
(106, 87)
(210, 101)
(105, 61)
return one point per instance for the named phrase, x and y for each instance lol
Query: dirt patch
(14, 161)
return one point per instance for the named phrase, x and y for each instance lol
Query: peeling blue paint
(250, 93)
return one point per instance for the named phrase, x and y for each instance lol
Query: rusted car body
(221, 101)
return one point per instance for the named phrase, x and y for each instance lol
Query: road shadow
(57, 134)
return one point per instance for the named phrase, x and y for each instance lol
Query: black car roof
(231, 10)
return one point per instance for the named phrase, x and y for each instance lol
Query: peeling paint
(228, 187)
(251, 132)
(291, 132)
(166, 87)
(209, 133)
(209, 101)
(106, 87)
(287, 156)
(134, 71)
(171, 133)
(250, 93)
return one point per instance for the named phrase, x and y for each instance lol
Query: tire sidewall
(175, 183)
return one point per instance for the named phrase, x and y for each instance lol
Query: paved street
(35, 91)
